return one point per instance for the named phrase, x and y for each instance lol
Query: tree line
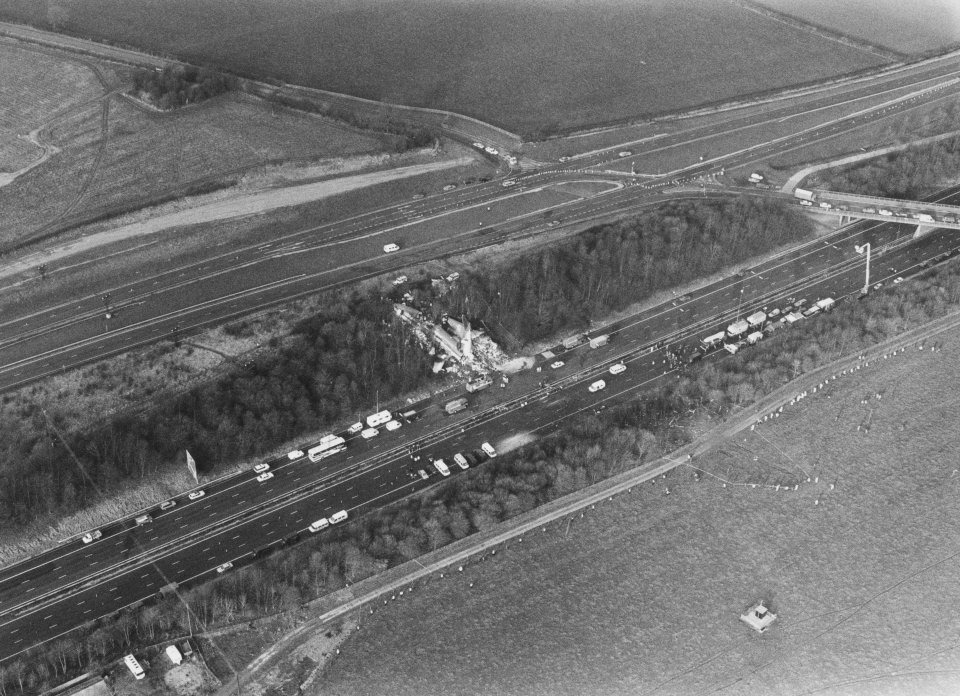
(178, 85)
(330, 367)
(591, 448)
(913, 173)
(609, 267)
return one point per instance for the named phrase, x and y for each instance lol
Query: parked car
(393, 425)
(461, 461)
(400, 280)
(441, 466)
(488, 450)
(557, 365)
(367, 433)
(897, 280)
(423, 474)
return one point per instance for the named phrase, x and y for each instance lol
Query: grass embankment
(642, 594)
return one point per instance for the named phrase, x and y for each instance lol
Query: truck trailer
(738, 328)
(456, 406)
(804, 195)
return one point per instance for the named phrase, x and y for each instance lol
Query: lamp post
(860, 250)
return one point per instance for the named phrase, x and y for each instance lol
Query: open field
(642, 594)
(36, 87)
(909, 27)
(531, 67)
(149, 157)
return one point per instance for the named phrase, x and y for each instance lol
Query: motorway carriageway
(50, 594)
(189, 297)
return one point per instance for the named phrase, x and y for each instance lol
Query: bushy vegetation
(912, 174)
(609, 267)
(588, 450)
(179, 85)
(331, 365)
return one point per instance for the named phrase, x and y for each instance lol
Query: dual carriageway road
(240, 518)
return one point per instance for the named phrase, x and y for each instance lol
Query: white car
(196, 495)
(440, 466)
(597, 386)
(265, 476)
(393, 425)
(167, 504)
(624, 153)
(400, 280)
(91, 536)
(355, 428)
(557, 365)
(367, 433)
(488, 450)
(461, 461)
(337, 517)
(453, 277)
(479, 146)
(390, 248)
(898, 280)
(423, 474)
(260, 468)
(224, 567)
(617, 369)
(322, 523)
(449, 187)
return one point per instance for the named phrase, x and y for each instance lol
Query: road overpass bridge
(850, 206)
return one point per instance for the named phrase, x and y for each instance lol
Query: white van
(390, 248)
(131, 662)
(322, 523)
(338, 517)
(597, 386)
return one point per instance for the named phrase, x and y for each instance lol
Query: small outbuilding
(174, 654)
(758, 617)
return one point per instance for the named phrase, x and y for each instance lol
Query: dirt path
(240, 205)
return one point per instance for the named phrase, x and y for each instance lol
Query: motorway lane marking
(48, 617)
(145, 575)
(236, 537)
(174, 562)
(235, 495)
(60, 578)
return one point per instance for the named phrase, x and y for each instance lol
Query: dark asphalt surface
(239, 518)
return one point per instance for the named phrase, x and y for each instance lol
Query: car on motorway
(390, 248)
(441, 466)
(488, 450)
(196, 495)
(557, 365)
(322, 523)
(393, 425)
(143, 519)
(897, 280)
(167, 504)
(293, 455)
(597, 386)
(617, 369)
(367, 433)
(400, 280)
(91, 536)
(624, 153)
(564, 159)
(224, 567)
(461, 461)
(449, 187)
(265, 476)
(423, 474)
(355, 428)
(338, 517)
(260, 468)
